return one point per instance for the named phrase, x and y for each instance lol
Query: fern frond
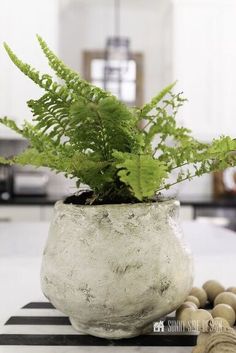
(93, 171)
(147, 108)
(36, 138)
(52, 115)
(142, 173)
(72, 79)
(102, 127)
(55, 162)
(11, 124)
(162, 124)
(44, 81)
(5, 161)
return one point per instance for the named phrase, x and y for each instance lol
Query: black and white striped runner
(40, 324)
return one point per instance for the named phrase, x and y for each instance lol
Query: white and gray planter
(115, 269)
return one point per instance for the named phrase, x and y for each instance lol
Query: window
(124, 79)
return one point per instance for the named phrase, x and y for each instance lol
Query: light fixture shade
(116, 58)
(117, 48)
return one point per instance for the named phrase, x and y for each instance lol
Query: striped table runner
(40, 326)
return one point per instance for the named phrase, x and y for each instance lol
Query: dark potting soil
(87, 197)
(81, 198)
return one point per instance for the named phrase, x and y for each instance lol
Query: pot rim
(161, 203)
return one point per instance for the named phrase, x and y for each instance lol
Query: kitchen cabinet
(29, 208)
(22, 213)
(186, 213)
(46, 213)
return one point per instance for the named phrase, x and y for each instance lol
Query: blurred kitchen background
(133, 48)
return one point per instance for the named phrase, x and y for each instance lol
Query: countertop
(193, 200)
(47, 200)
(21, 247)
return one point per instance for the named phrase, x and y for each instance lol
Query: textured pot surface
(115, 269)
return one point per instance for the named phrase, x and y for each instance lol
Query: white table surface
(21, 247)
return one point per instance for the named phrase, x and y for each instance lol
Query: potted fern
(115, 260)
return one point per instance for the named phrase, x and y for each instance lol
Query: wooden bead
(202, 338)
(225, 311)
(199, 349)
(200, 293)
(221, 342)
(226, 298)
(185, 316)
(231, 289)
(200, 320)
(185, 305)
(213, 288)
(193, 299)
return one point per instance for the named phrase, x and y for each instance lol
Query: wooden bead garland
(216, 335)
(221, 342)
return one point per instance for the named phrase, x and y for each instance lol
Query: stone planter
(115, 269)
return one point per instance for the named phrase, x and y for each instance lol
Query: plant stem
(177, 182)
(154, 116)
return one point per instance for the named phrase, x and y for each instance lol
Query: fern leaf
(102, 127)
(35, 137)
(93, 171)
(5, 161)
(72, 78)
(51, 114)
(143, 174)
(56, 162)
(44, 81)
(162, 124)
(155, 100)
(11, 124)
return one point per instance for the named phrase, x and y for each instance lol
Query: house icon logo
(158, 326)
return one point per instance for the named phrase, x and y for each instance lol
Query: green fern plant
(88, 134)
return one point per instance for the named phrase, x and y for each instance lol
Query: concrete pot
(115, 269)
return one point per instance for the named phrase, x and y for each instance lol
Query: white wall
(20, 21)
(87, 24)
(203, 61)
(204, 56)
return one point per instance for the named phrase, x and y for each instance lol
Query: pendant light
(117, 53)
